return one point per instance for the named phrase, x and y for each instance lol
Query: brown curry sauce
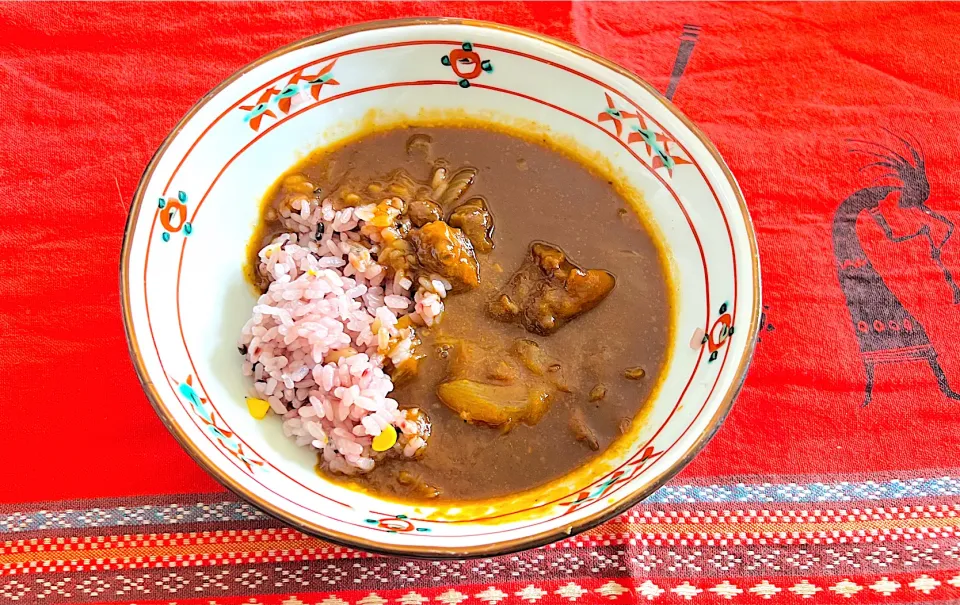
(598, 366)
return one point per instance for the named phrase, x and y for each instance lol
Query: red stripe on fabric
(86, 559)
(856, 589)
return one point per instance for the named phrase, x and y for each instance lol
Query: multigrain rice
(320, 336)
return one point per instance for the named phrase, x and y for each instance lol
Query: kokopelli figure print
(886, 331)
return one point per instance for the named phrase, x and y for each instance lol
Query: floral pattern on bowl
(185, 298)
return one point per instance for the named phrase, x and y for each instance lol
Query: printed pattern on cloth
(856, 378)
(933, 587)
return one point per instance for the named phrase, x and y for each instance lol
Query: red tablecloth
(805, 495)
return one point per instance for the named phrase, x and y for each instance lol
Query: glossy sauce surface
(609, 357)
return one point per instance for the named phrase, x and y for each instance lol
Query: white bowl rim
(434, 552)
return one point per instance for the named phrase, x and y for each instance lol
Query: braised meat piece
(422, 212)
(549, 290)
(446, 251)
(474, 219)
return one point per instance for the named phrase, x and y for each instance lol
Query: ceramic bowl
(185, 298)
